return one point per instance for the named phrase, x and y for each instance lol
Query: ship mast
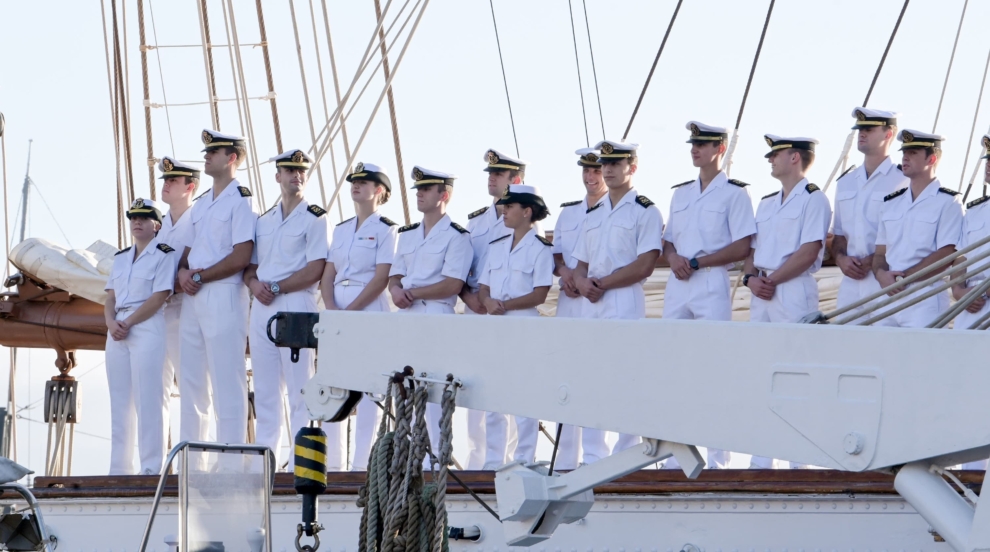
(24, 194)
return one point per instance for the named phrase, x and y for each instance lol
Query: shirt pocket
(520, 280)
(713, 221)
(265, 238)
(872, 208)
(788, 230)
(142, 281)
(568, 236)
(974, 232)
(893, 225)
(364, 250)
(118, 278)
(922, 233)
(845, 206)
(220, 229)
(622, 238)
(292, 245)
(429, 260)
(678, 214)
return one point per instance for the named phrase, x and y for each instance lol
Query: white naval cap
(778, 143)
(145, 208)
(866, 118)
(588, 157)
(524, 194)
(213, 139)
(368, 171)
(700, 132)
(427, 177)
(917, 139)
(613, 152)
(498, 161)
(296, 159)
(170, 167)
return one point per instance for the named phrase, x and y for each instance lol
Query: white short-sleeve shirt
(484, 226)
(356, 252)
(219, 224)
(976, 226)
(857, 205)
(423, 260)
(134, 280)
(783, 226)
(702, 223)
(285, 246)
(178, 234)
(568, 228)
(515, 272)
(614, 236)
(913, 230)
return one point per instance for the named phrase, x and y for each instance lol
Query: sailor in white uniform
(570, 304)
(285, 269)
(485, 225)
(919, 226)
(142, 278)
(178, 189)
(432, 261)
(616, 252)
(214, 317)
(515, 280)
(976, 226)
(791, 227)
(859, 192)
(356, 275)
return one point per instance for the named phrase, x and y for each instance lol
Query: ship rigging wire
(336, 89)
(306, 101)
(577, 62)
(594, 71)
(948, 70)
(386, 71)
(161, 75)
(649, 77)
(972, 130)
(505, 82)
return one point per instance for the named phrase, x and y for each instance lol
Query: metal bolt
(853, 443)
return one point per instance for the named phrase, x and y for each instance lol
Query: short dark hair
(239, 151)
(807, 158)
(385, 195)
(194, 180)
(937, 152)
(513, 173)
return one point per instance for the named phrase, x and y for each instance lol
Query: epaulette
(544, 241)
(682, 184)
(203, 194)
(270, 209)
(499, 239)
(643, 201)
(892, 195)
(976, 202)
(459, 228)
(479, 212)
(739, 183)
(768, 196)
(316, 210)
(386, 221)
(345, 221)
(847, 171)
(164, 248)
(244, 191)
(571, 203)
(408, 227)
(125, 250)
(812, 188)
(590, 209)
(948, 191)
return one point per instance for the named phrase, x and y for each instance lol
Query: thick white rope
(305, 87)
(843, 160)
(729, 152)
(237, 93)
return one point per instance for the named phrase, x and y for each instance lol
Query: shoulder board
(479, 212)
(164, 247)
(125, 250)
(499, 239)
(847, 171)
(976, 202)
(590, 209)
(458, 227)
(948, 191)
(203, 194)
(316, 210)
(812, 188)
(408, 227)
(244, 191)
(644, 201)
(682, 184)
(270, 209)
(544, 241)
(346, 221)
(571, 203)
(739, 183)
(769, 195)
(891, 196)
(386, 221)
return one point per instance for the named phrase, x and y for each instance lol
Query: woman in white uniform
(356, 275)
(142, 278)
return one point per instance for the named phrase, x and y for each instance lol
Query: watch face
(197, 278)
(694, 264)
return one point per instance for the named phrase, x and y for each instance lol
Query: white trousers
(173, 340)
(568, 307)
(965, 319)
(921, 314)
(791, 301)
(851, 291)
(704, 296)
(138, 389)
(214, 339)
(569, 448)
(276, 376)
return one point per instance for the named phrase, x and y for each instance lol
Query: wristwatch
(694, 263)
(274, 288)
(746, 279)
(197, 278)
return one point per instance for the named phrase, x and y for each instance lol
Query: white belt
(350, 283)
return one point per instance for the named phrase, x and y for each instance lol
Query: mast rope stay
(577, 62)
(948, 70)
(594, 71)
(305, 87)
(146, 88)
(336, 88)
(649, 77)
(972, 129)
(505, 82)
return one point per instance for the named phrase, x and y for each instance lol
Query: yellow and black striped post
(311, 472)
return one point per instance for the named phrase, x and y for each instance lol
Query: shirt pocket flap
(930, 217)
(845, 194)
(974, 225)
(679, 206)
(715, 208)
(624, 223)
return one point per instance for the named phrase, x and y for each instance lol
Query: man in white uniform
(791, 226)
(289, 255)
(570, 304)
(180, 183)
(432, 261)
(215, 315)
(616, 252)
(858, 196)
(976, 227)
(919, 226)
(141, 279)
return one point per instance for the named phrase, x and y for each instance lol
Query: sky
(816, 66)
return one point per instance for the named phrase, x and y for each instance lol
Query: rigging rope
(649, 77)
(326, 112)
(161, 74)
(211, 82)
(594, 71)
(147, 98)
(305, 87)
(577, 62)
(505, 82)
(6, 199)
(336, 88)
(113, 116)
(948, 70)
(124, 115)
(268, 74)
(395, 124)
(972, 129)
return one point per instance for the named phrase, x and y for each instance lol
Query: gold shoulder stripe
(408, 227)
(948, 191)
(644, 201)
(812, 188)
(739, 183)
(478, 213)
(891, 196)
(590, 209)
(316, 210)
(345, 221)
(571, 203)
(164, 247)
(245, 192)
(499, 239)
(543, 240)
(681, 184)
(125, 250)
(769, 195)
(976, 202)
(458, 227)
(847, 171)
(386, 221)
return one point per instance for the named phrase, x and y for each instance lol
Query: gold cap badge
(167, 164)
(907, 136)
(207, 137)
(860, 116)
(492, 157)
(590, 157)
(138, 203)
(695, 131)
(297, 157)
(607, 148)
(769, 141)
(986, 142)
(359, 167)
(418, 174)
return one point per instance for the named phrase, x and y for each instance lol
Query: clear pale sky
(816, 65)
